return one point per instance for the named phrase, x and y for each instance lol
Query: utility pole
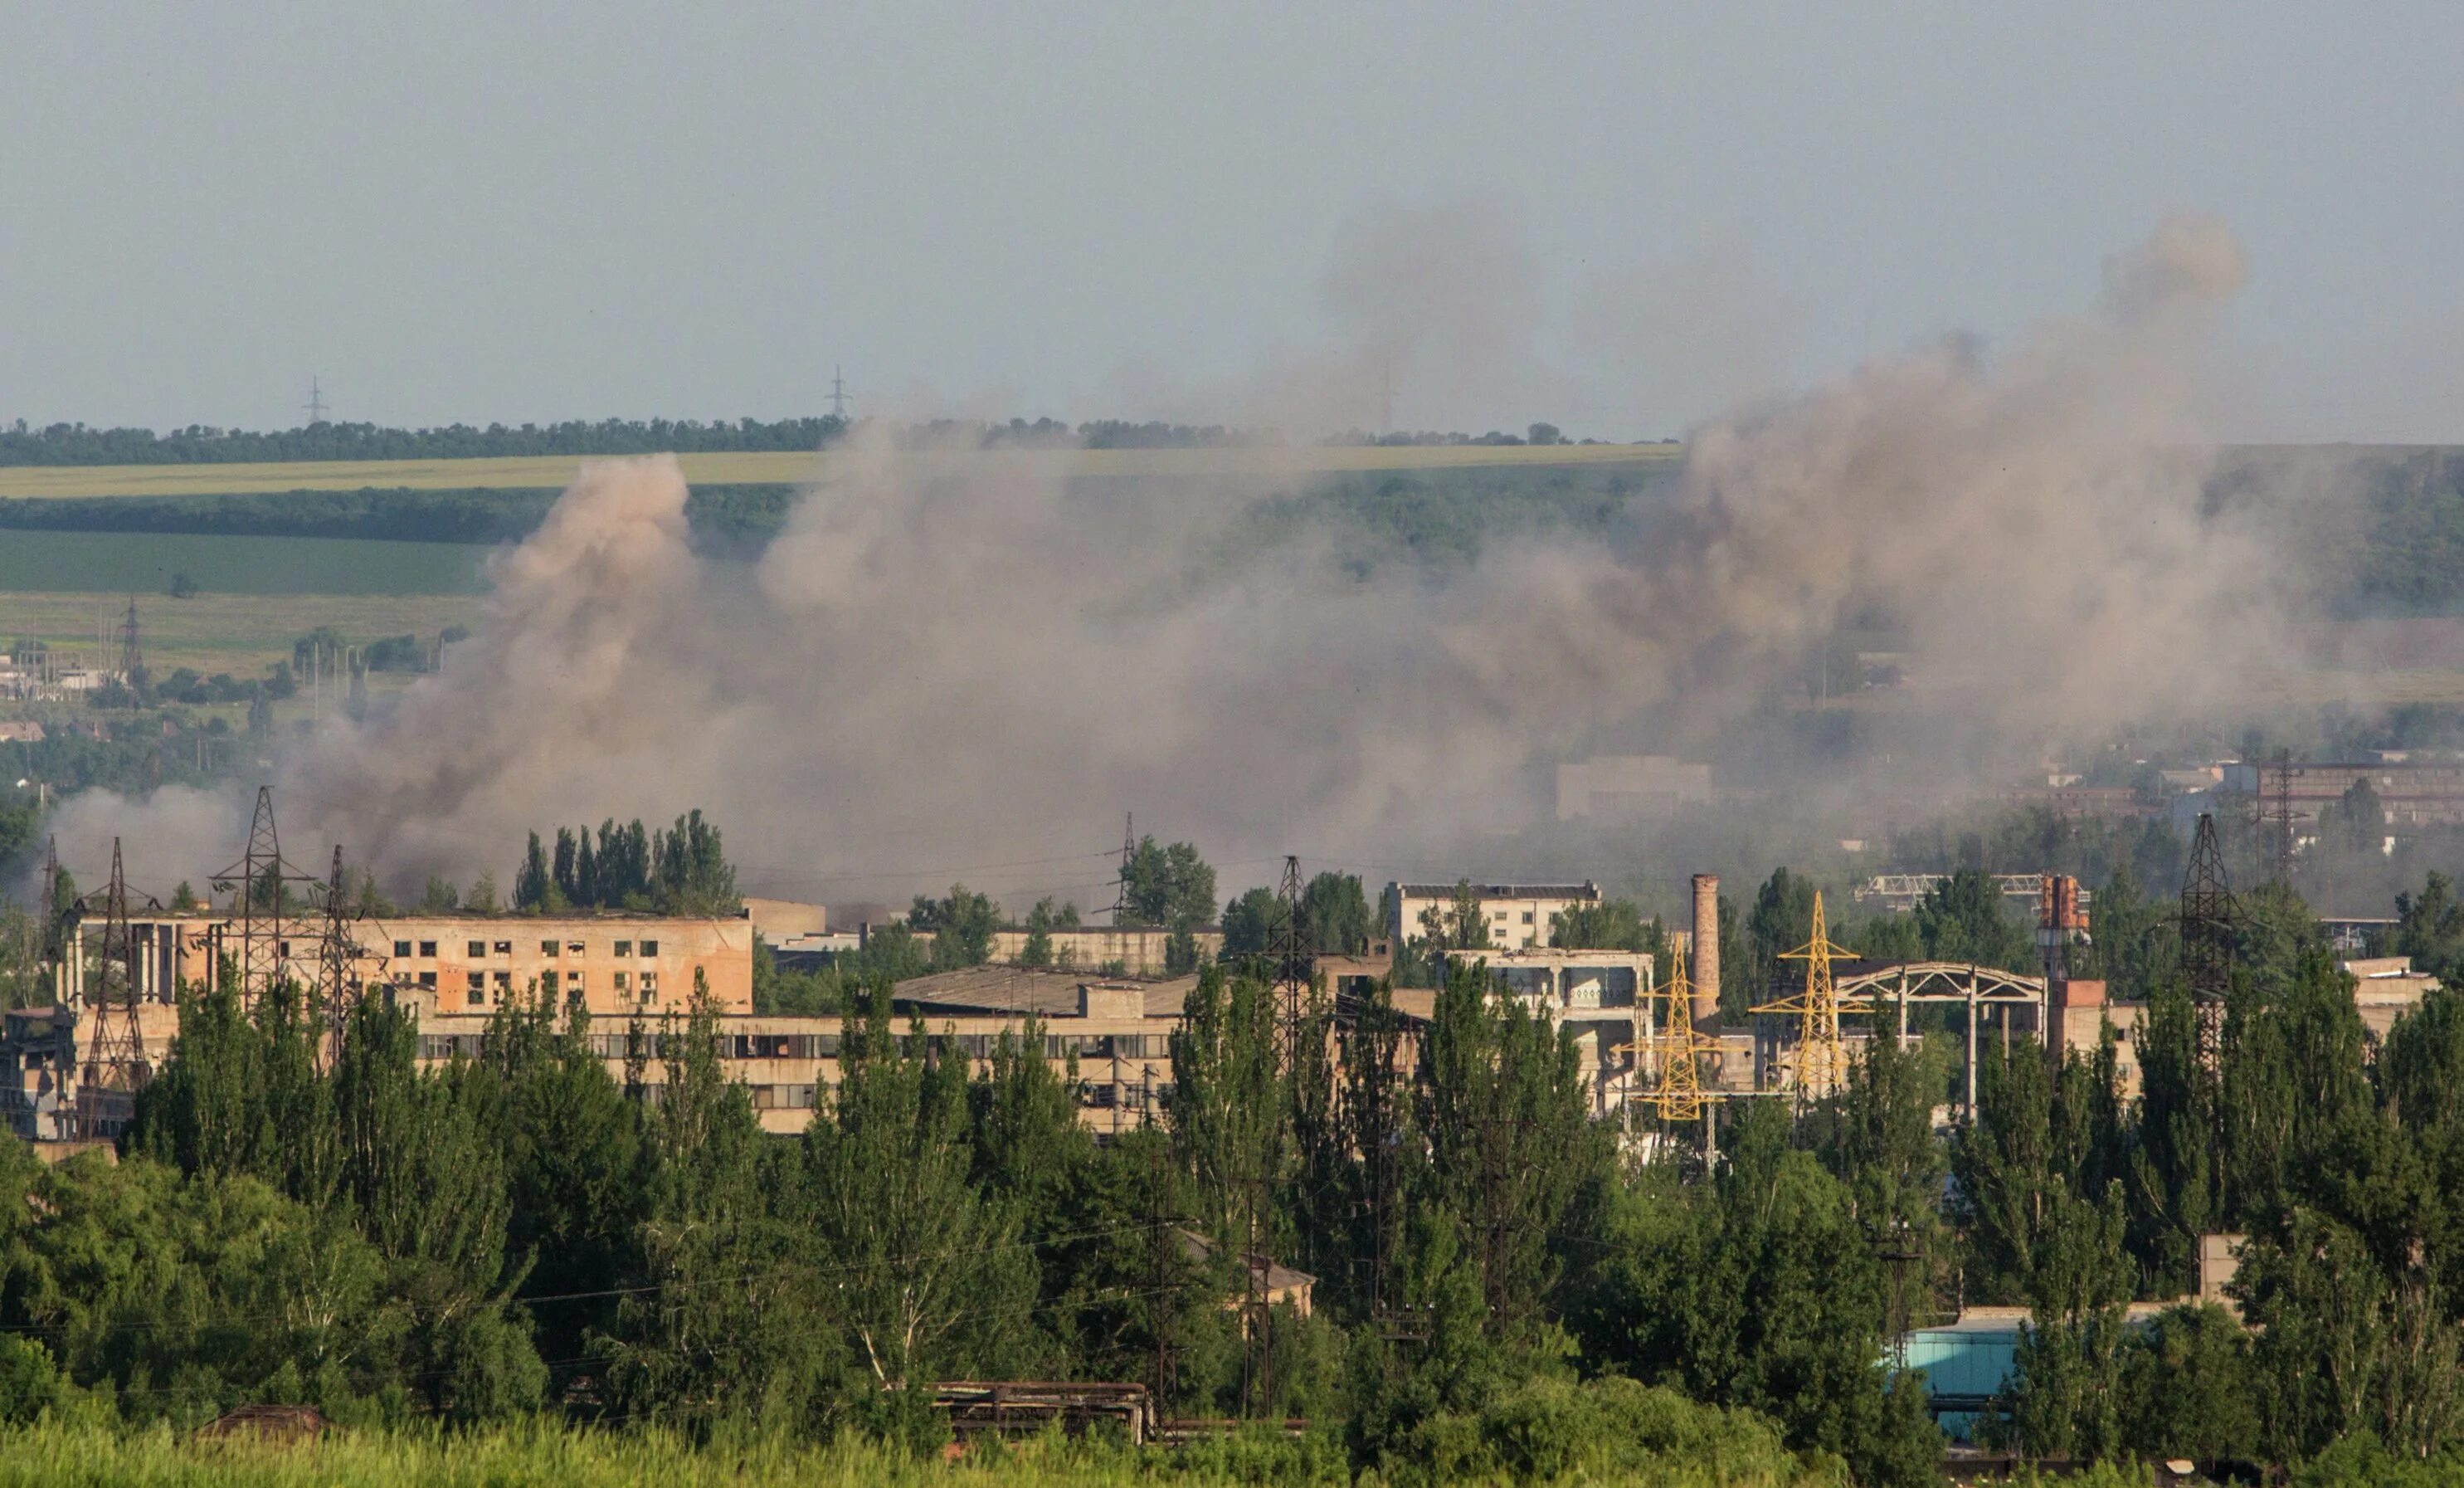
(314, 408)
(838, 394)
(1161, 1227)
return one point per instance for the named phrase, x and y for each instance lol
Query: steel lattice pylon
(1676, 1090)
(115, 1067)
(1292, 964)
(53, 908)
(2211, 925)
(338, 984)
(1821, 1065)
(266, 925)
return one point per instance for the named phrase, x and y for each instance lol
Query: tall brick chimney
(1706, 948)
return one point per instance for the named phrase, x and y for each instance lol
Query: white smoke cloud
(944, 664)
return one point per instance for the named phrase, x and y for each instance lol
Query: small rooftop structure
(776, 920)
(2386, 988)
(1016, 991)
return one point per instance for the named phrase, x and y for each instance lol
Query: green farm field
(239, 633)
(144, 562)
(772, 468)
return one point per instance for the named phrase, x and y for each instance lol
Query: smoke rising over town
(947, 662)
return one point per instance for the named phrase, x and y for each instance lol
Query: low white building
(1517, 913)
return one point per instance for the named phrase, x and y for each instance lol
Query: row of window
(478, 985)
(442, 1046)
(404, 950)
(971, 1046)
(646, 992)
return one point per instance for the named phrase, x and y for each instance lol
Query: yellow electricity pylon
(1821, 1065)
(1678, 1095)
(1676, 1090)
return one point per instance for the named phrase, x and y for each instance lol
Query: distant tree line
(197, 444)
(726, 517)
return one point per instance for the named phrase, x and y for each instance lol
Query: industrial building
(2412, 793)
(1602, 997)
(446, 966)
(1112, 1040)
(1624, 786)
(1517, 913)
(615, 963)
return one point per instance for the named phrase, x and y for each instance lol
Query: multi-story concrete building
(615, 963)
(1517, 914)
(1110, 1040)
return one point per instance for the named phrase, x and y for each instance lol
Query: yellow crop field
(788, 468)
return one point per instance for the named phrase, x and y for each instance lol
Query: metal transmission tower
(314, 408)
(838, 394)
(50, 947)
(338, 986)
(1675, 1089)
(1821, 1059)
(2211, 925)
(263, 881)
(1129, 858)
(132, 660)
(1677, 1092)
(115, 1067)
(1292, 964)
(2277, 815)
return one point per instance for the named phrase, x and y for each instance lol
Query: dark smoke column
(1706, 948)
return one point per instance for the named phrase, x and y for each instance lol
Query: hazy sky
(1623, 213)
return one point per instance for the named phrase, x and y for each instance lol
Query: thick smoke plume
(970, 667)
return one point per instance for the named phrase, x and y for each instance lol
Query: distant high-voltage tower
(1821, 1059)
(1676, 1090)
(263, 883)
(2210, 923)
(1292, 970)
(115, 1067)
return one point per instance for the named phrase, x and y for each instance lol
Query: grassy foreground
(52, 1456)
